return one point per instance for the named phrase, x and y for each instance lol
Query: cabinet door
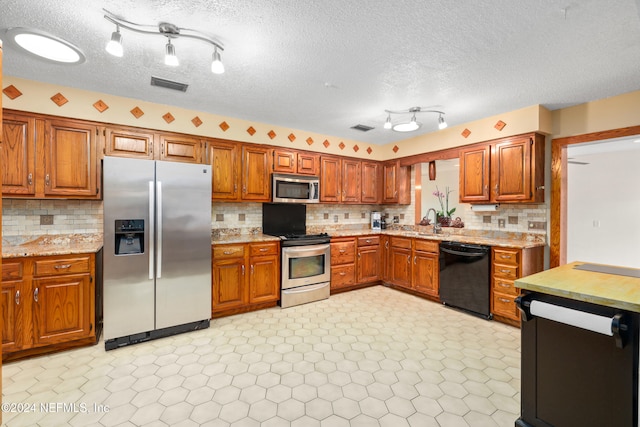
(256, 172)
(224, 166)
(390, 182)
(511, 170)
(18, 155)
(330, 179)
(400, 273)
(264, 285)
(180, 148)
(13, 302)
(426, 273)
(308, 164)
(125, 142)
(62, 308)
(386, 258)
(369, 183)
(474, 175)
(284, 161)
(351, 181)
(229, 288)
(368, 264)
(70, 159)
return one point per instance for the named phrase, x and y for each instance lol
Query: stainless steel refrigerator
(157, 249)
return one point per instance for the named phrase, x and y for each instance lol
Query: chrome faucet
(436, 226)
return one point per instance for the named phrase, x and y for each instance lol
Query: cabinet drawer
(343, 253)
(228, 251)
(343, 275)
(12, 270)
(368, 241)
(257, 249)
(505, 286)
(504, 305)
(400, 242)
(505, 271)
(54, 267)
(506, 256)
(426, 246)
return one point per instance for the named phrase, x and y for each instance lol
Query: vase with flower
(444, 214)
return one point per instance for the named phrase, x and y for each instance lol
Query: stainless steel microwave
(295, 188)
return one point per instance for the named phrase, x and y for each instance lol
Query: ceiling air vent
(168, 84)
(362, 128)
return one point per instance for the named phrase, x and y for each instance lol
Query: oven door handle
(308, 249)
(307, 288)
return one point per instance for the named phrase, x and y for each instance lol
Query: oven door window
(307, 266)
(292, 190)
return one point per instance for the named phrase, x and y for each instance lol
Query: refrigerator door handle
(151, 230)
(159, 233)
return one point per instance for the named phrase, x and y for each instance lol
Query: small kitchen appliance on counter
(376, 220)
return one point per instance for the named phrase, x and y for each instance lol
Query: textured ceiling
(324, 66)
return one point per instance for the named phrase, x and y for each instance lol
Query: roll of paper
(568, 316)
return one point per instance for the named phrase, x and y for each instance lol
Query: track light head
(114, 47)
(441, 123)
(387, 124)
(217, 67)
(170, 57)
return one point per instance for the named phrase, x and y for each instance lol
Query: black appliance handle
(464, 254)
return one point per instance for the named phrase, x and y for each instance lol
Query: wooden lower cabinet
(400, 262)
(48, 303)
(414, 265)
(343, 263)
(368, 259)
(245, 277)
(507, 265)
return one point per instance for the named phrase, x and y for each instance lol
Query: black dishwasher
(465, 277)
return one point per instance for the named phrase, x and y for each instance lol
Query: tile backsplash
(22, 217)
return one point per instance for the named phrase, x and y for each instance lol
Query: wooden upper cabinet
(370, 182)
(18, 155)
(509, 170)
(224, 158)
(295, 162)
(396, 183)
(351, 180)
(474, 174)
(284, 161)
(70, 159)
(180, 148)
(330, 179)
(256, 173)
(129, 142)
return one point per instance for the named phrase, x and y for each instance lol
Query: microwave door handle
(311, 192)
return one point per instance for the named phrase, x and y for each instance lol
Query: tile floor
(372, 357)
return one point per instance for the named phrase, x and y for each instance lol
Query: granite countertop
(509, 240)
(610, 290)
(59, 244)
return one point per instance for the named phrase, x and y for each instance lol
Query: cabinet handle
(504, 285)
(244, 189)
(495, 189)
(17, 298)
(235, 187)
(505, 256)
(47, 181)
(62, 266)
(342, 251)
(36, 291)
(264, 249)
(368, 241)
(386, 245)
(243, 270)
(504, 300)
(408, 259)
(505, 271)
(358, 254)
(30, 179)
(342, 273)
(251, 268)
(229, 252)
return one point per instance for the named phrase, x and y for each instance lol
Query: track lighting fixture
(165, 29)
(413, 124)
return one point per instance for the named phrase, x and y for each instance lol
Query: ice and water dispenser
(129, 236)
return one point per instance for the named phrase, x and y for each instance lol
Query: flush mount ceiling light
(45, 45)
(412, 124)
(164, 29)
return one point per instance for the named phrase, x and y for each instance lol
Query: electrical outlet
(335, 218)
(537, 225)
(501, 222)
(46, 219)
